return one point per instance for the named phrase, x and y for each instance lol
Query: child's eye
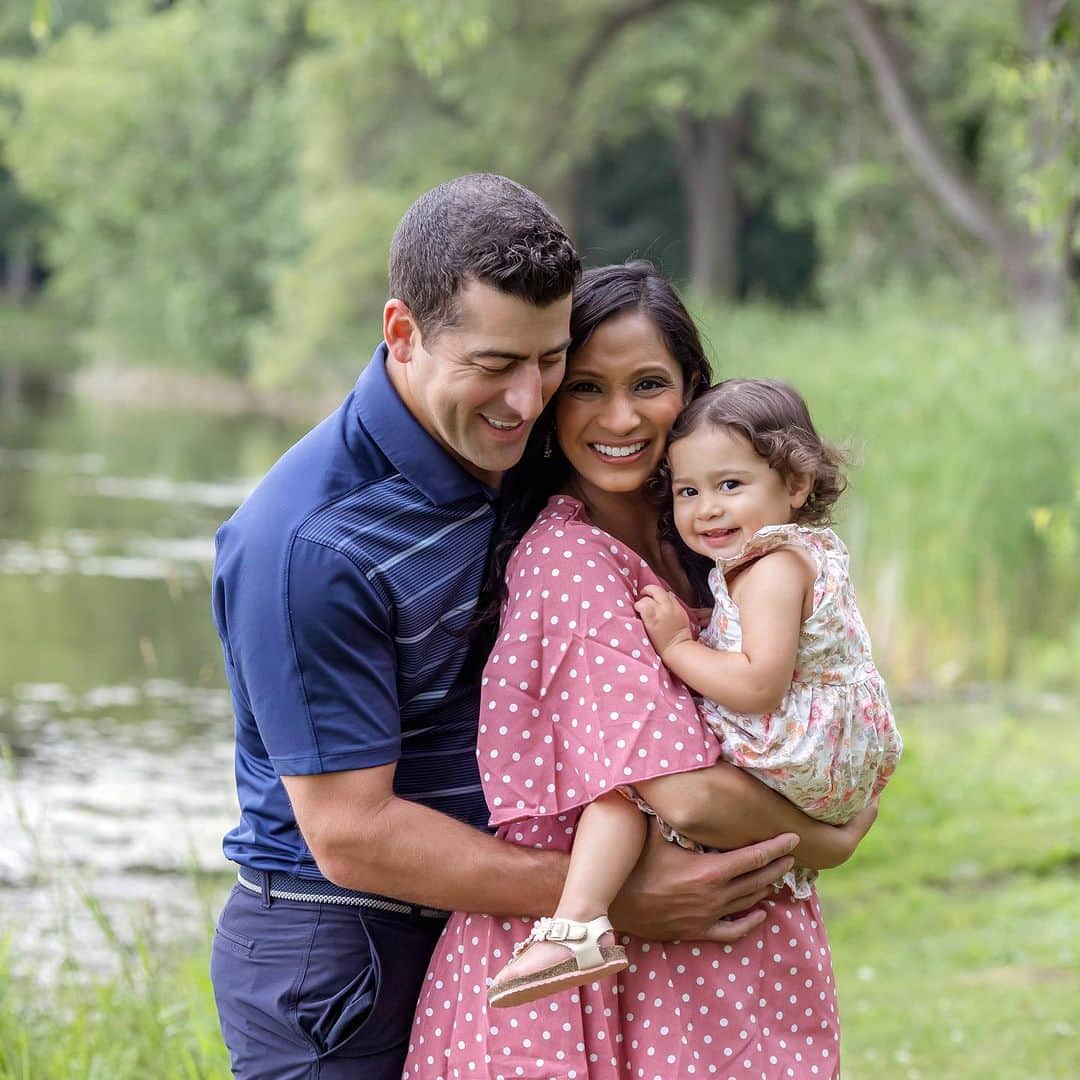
(729, 485)
(685, 492)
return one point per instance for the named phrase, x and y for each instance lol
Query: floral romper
(832, 743)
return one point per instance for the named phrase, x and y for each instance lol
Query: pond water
(116, 784)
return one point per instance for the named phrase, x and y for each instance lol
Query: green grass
(963, 513)
(954, 931)
(155, 1018)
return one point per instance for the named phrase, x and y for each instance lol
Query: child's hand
(665, 619)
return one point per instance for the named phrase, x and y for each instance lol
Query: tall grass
(152, 1016)
(963, 514)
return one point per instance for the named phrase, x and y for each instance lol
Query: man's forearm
(415, 853)
(725, 807)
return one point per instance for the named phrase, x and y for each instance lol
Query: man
(342, 589)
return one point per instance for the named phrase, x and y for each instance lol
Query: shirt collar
(401, 437)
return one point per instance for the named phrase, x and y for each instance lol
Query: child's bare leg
(607, 844)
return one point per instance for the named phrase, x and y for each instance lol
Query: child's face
(724, 492)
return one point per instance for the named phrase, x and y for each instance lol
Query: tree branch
(601, 39)
(604, 36)
(928, 155)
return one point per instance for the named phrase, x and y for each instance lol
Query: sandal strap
(582, 939)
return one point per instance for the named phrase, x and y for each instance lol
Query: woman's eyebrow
(636, 373)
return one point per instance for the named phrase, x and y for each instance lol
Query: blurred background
(876, 200)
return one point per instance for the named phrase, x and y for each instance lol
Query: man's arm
(363, 837)
(725, 807)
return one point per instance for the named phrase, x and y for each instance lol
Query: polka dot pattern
(763, 1007)
(575, 700)
(577, 693)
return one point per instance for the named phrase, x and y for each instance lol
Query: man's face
(478, 387)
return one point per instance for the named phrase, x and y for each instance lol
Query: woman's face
(622, 392)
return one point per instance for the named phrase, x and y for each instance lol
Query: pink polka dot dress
(576, 703)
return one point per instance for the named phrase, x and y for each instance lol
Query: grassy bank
(963, 512)
(954, 931)
(963, 515)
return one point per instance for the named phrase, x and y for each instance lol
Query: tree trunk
(19, 271)
(708, 151)
(1036, 273)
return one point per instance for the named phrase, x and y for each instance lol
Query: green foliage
(953, 928)
(962, 440)
(37, 337)
(162, 149)
(156, 1017)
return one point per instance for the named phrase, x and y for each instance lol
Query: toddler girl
(784, 666)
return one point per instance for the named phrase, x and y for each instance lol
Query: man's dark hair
(479, 227)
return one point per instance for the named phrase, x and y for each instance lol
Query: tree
(161, 148)
(1036, 93)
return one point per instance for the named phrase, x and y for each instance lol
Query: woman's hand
(675, 894)
(665, 619)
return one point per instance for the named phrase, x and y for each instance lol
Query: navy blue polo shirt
(342, 589)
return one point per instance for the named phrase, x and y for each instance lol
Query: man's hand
(678, 894)
(665, 619)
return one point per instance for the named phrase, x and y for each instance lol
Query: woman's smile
(617, 452)
(622, 392)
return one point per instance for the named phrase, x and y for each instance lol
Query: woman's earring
(547, 445)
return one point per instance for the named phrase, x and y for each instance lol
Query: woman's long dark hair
(601, 294)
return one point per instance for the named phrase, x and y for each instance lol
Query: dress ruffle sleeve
(575, 701)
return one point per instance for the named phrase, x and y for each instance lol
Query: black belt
(280, 886)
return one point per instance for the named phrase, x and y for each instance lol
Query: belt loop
(266, 898)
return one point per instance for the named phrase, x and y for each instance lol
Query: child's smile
(724, 491)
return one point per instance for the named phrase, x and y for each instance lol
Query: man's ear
(400, 331)
(799, 486)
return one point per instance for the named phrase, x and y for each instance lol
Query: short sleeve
(575, 701)
(316, 660)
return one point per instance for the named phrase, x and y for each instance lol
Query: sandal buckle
(557, 930)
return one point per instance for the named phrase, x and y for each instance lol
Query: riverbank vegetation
(209, 190)
(213, 186)
(953, 930)
(963, 514)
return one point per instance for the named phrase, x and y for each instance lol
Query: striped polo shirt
(342, 589)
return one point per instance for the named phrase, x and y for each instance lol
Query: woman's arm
(772, 594)
(724, 807)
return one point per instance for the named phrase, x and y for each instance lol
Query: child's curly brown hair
(772, 416)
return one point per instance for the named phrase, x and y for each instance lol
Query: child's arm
(772, 593)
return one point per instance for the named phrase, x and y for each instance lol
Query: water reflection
(113, 712)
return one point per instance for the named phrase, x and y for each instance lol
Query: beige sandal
(590, 961)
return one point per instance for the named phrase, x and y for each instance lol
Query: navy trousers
(309, 991)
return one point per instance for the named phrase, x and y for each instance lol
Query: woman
(577, 704)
